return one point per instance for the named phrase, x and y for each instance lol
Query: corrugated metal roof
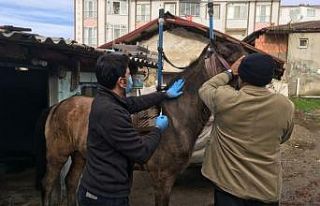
(58, 43)
(308, 26)
(299, 27)
(63, 51)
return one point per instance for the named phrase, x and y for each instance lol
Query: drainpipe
(298, 87)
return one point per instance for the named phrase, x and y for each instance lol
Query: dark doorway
(23, 96)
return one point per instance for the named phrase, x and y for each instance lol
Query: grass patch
(306, 105)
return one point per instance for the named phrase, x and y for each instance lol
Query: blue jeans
(85, 198)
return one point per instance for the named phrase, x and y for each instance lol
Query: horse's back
(67, 125)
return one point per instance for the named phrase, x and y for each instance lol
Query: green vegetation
(306, 105)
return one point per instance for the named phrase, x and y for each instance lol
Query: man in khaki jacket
(242, 158)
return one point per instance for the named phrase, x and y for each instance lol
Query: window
(115, 31)
(294, 14)
(237, 11)
(170, 7)
(118, 7)
(189, 9)
(143, 13)
(88, 89)
(263, 13)
(90, 36)
(303, 43)
(311, 12)
(90, 9)
(216, 12)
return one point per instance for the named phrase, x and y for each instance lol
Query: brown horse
(67, 122)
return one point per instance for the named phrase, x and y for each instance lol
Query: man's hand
(176, 89)
(162, 122)
(235, 66)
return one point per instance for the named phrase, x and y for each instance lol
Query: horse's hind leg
(50, 182)
(74, 176)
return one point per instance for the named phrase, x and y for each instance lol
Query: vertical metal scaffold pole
(210, 12)
(160, 49)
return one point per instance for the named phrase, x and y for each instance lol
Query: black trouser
(222, 198)
(85, 198)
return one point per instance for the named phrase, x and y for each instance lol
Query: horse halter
(211, 63)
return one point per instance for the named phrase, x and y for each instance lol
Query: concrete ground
(301, 177)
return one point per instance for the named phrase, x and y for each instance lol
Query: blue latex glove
(162, 122)
(176, 89)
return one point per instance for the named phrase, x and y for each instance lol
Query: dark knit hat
(257, 69)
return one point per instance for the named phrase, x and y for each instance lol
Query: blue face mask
(129, 85)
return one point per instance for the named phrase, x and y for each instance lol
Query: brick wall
(274, 44)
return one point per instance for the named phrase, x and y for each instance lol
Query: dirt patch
(301, 164)
(301, 177)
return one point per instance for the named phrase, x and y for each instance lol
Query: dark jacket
(113, 145)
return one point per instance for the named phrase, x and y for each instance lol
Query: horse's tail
(41, 147)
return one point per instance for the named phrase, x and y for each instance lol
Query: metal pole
(160, 49)
(210, 12)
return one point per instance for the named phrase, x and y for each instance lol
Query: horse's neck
(189, 110)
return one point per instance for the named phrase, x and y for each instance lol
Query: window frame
(303, 46)
(244, 5)
(313, 12)
(121, 7)
(267, 16)
(146, 16)
(189, 8)
(122, 28)
(214, 13)
(93, 41)
(87, 12)
(170, 3)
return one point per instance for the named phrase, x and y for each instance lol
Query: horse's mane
(188, 68)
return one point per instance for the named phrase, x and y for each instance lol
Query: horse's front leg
(163, 189)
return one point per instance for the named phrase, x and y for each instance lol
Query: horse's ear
(230, 51)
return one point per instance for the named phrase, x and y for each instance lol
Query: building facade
(100, 21)
(299, 13)
(298, 45)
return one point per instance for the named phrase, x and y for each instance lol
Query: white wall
(301, 15)
(63, 85)
(78, 21)
(303, 63)
(101, 22)
(245, 26)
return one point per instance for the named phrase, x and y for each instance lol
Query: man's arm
(127, 140)
(286, 136)
(137, 104)
(208, 90)
(290, 125)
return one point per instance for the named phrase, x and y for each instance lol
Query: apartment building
(101, 21)
(299, 13)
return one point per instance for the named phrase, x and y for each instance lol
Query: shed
(183, 42)
(35, 73)
(297, 44)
